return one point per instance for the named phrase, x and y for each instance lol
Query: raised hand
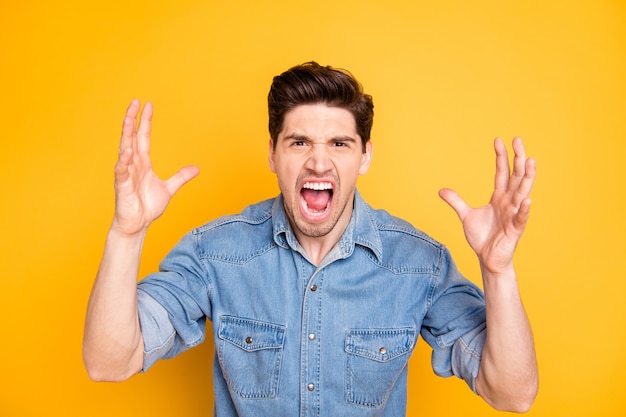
(141, 196)
(494, 230)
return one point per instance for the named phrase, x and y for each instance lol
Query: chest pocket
(375, 359)
(250, 355)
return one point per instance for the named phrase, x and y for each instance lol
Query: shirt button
(313, 287)
(383, 350)
(310, 387)
(312, 336)
(248, 340)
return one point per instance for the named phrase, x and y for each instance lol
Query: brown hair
(311, 83)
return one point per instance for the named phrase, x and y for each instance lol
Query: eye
(341, 144)
(346, 142)
(297, 143)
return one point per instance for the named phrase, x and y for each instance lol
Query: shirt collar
(361, 230)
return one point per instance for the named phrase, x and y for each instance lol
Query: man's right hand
(141, 196)
(113, 342)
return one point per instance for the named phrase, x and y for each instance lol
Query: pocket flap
(251, 335)
(381, 345)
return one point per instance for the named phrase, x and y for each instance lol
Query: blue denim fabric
(292, 338)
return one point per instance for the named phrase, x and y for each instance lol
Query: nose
(319, 160)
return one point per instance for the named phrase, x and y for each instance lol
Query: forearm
(113, 344)
(507, 377)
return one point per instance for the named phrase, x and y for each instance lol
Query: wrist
(122, 239)
(127, 233)
(500, 275)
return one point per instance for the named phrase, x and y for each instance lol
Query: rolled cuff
(156, 328)
(462, 359)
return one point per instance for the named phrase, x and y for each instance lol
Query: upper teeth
(318, 186)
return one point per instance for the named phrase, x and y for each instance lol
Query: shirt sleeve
(455, 324)
(174, 304)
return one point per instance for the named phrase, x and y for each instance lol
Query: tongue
(316, 200)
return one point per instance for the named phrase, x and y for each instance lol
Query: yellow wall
(446, 77)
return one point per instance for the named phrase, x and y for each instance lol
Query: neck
(317, 247)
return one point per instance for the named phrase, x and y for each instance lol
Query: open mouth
(316, 198)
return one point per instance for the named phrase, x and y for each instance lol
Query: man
(317, 300)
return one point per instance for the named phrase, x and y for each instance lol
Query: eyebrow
(296, 136)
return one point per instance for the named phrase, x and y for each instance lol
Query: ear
(366, 159)
(270, 156)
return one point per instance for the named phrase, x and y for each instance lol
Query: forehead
(319, 120)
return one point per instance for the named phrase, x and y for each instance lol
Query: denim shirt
(292, 338)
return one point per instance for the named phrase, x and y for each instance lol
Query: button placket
(311, 354)
(310, 330)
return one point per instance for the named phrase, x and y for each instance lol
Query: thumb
(182, 177)
(455, 201)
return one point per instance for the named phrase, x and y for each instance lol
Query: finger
(129, 124)
(503, 171)
(526, 184)
(521, 218)
(144, 129)
(183, 176)
(121, 170)
(519, 163)
(455, 201)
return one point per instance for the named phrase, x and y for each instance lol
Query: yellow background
(446, 78)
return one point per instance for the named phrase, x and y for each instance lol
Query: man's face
(317, 158)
